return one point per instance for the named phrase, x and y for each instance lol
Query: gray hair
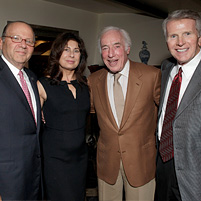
(183, 14)
(125, 35)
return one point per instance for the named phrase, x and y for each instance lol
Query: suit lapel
(13, 85)
(133, 89)
(164, 82)
(103, 96)
(192, 90)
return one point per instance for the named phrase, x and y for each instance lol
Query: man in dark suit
(20, 163)
(178, 175)
(126, 146)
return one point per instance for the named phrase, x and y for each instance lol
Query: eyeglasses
(18, 39)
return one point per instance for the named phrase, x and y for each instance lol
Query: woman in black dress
(65, 102)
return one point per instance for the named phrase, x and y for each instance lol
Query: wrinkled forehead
(112, 37)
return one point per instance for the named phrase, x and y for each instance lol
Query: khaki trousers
(108, 192)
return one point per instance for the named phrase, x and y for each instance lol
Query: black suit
(20, 163)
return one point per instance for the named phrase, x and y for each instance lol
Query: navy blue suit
(20, 162)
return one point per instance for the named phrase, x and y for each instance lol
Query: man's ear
(1, 44)
(128, 50)
(199, 41)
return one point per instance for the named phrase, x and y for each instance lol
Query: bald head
(15, 23)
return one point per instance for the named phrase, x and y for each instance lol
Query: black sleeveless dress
(63, 141)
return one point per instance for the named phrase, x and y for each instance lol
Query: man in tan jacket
(126, 148)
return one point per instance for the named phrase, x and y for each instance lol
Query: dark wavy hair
(53, 70)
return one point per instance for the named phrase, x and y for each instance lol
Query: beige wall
(89, 24)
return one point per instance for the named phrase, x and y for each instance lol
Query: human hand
(43, 119)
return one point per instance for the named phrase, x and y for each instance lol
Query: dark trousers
(167, 188)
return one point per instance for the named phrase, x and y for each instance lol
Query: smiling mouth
(21, 52)
(70, 62)
(182, 50)
(113, 62)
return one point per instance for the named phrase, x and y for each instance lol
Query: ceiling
(153, 8)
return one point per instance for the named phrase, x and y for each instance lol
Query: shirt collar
(189, 68)
(125, 70)
(14, 70)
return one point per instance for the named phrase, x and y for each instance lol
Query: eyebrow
(117, 43)
(71, 48)
(104, 46)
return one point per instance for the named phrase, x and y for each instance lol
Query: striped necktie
(166, 142)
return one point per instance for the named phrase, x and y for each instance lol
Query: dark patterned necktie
(166, 142)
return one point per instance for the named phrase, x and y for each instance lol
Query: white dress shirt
(15, 72)
(188, 71)
(123, 80)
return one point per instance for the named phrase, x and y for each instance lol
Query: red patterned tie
(166, 141)
(26, 92)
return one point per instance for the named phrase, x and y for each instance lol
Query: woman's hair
(53, 69)
(183, 14)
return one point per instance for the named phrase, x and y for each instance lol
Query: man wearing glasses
(20, 163)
